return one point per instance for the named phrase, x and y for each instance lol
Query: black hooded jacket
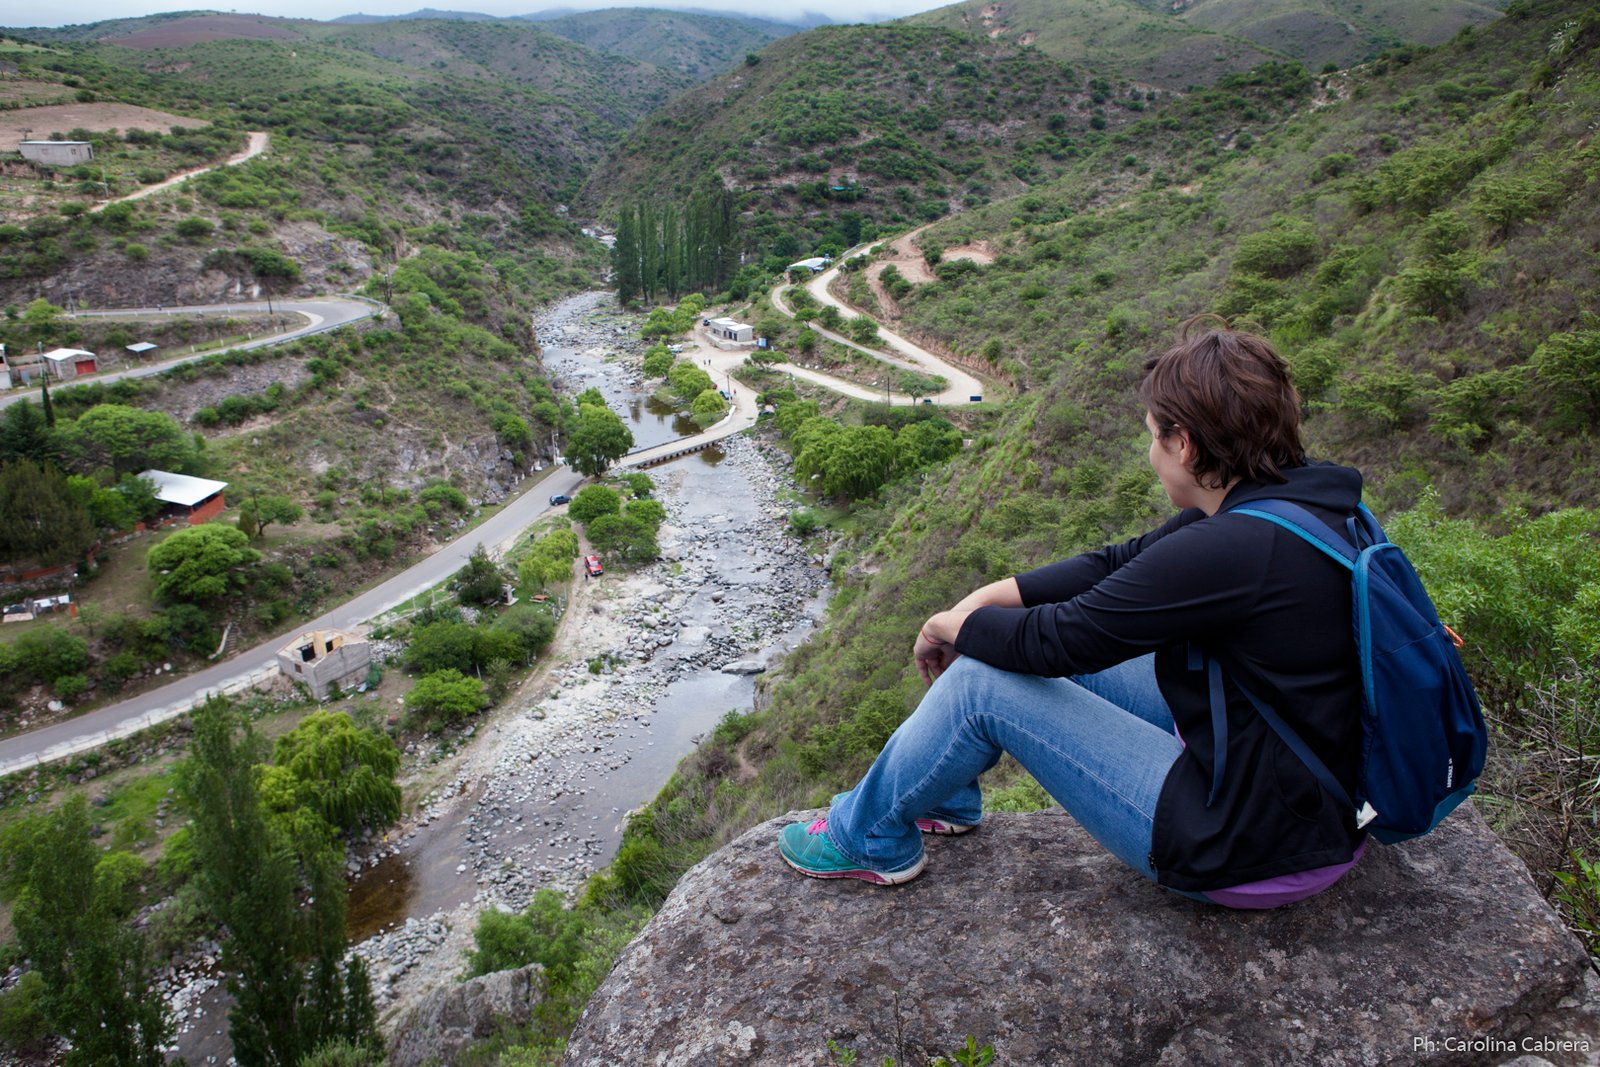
(1275, 612)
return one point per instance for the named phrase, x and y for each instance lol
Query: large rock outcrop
(1030, 937)
(443, 1025)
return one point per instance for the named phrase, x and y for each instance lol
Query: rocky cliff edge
(1028, 936)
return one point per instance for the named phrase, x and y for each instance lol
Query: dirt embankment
(906, 254)
(38, 123)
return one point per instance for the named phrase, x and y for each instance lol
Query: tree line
(664, 252)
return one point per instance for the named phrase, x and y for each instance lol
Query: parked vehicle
(560, 498)
(591, 567)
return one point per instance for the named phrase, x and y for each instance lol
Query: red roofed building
(197, 499)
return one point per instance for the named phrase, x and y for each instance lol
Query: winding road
(321, 315)
(962, 387)
(95, 728)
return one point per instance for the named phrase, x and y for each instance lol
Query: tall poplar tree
(671, 253)
(70, 906)
(284, 962)
(649, 253)
(625, 255)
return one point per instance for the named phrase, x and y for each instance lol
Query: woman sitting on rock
(1093, 672)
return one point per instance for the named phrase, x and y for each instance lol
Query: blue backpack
(1423, 737)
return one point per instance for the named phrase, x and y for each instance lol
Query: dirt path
(258, 144)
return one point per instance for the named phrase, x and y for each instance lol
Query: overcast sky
(15, 13)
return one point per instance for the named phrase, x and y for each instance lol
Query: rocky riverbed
(535, 794)
(539, 799)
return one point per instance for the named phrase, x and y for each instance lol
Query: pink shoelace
(818, 826)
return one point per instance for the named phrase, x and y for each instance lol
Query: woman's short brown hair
(1231, 392)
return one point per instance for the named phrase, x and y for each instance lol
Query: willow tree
(292, 990)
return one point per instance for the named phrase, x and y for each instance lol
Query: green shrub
(1280, 252)
(804, 521)
(593, 501)
(23, 1023)
(445, 696)
(1569, 365)
(435, 498)
(1527, 601)
(194, 227)
(71, 686)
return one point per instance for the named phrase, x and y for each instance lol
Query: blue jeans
(1100, 744)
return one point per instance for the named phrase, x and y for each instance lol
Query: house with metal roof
(816, 264)
(70, 362)
(186, 497)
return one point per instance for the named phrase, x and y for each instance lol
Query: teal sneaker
(808, 849)
(933, 825)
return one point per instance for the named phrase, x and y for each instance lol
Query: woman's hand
(932, 651)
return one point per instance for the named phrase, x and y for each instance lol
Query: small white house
(729, 330)
(816, 264)
(57, 153)
(70, 362)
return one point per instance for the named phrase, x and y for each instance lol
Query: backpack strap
(1297, 745)
(1310, 529)
(1199, 660)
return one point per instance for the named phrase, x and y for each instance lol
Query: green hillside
(1194, 42)
(618, 88)
(1342, 32)
(891, 124)
(1113, 37)
(436, 192)
(1417, 239)
(699, 45)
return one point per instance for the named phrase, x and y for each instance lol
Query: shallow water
(624, 762)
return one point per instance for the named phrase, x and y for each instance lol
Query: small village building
(184, 497)
(729, 330)
(19, 368)
(816, 264)
(57, 153)
(70, 362)
(139, 348)
(322, 659)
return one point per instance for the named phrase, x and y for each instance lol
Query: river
(537, 796)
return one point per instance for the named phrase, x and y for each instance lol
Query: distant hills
(887, 121)
(1177, 43)
(698, 45)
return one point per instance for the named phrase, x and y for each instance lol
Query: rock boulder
(1027, 935)
(445, 1023)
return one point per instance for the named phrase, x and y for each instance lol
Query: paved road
(95, 728)
(321, 315)
(138, 713)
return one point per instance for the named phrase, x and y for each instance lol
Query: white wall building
(57, 153)
(729, 330)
